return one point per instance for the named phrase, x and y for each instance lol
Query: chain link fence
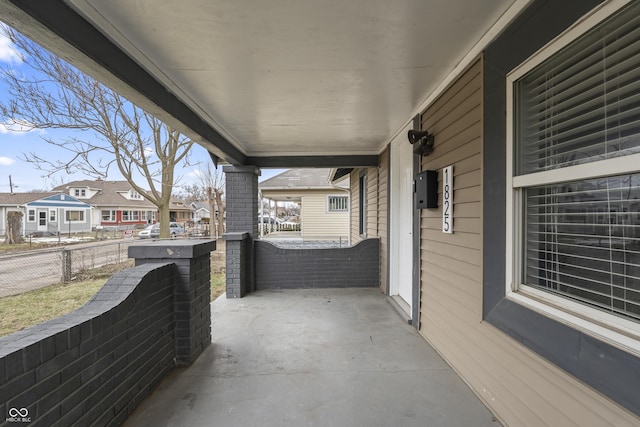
(34, 269)
(28, 270)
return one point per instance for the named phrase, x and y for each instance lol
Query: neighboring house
(46, 213)
(200, 210)
(180, 212)
(324, 207)
(113, 203)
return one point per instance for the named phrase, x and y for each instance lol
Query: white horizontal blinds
(583, 242)
(583, 105)
(582, 238)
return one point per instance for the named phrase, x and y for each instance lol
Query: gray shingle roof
(200, 205)
(109, 194)
(17, 199)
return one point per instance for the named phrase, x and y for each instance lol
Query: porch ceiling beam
(59, 28)
(313, 161)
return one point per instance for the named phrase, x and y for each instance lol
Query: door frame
(415, 308)
(39, 218)
(401, 213)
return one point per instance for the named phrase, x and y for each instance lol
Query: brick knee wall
(93, 366)
(351, 267)
(192, 290)
(239, 280)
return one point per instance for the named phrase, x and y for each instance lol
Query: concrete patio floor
(330, 357)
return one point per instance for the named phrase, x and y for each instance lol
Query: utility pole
(10, 185)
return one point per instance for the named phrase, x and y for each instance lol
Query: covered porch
(340, 357)
(384, 92)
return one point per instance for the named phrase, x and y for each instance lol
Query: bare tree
(192, 193)
(212, 183)
(14, 226)
(55, 95)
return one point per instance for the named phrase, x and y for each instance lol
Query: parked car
(153, 231)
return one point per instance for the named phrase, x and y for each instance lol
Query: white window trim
(617, 331)
(29, 212)
(130, 216)
(53, 215)
(590, 20)
(84, 219)
(112, 215)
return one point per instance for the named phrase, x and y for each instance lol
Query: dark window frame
(608, 369)
(362, 198)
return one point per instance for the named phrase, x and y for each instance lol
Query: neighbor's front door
(42, 220)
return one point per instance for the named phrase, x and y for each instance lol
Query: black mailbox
(426, 190)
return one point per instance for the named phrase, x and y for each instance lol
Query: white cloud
(6, 161)
(8, 52)
(195, 174)
(148, 152)
(17, 127)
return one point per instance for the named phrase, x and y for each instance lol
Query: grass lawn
(24, 246)
(21, 311)
(218, 285)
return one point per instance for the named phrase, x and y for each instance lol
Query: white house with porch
(324, 206)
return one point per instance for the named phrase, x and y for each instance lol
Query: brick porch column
(242, 227)
(192, 290)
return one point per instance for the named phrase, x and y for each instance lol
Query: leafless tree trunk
(110, 129)
(212, 183)
(14, 225)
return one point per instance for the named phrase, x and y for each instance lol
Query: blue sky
(14, 142)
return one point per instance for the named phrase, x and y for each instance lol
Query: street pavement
(29, 270)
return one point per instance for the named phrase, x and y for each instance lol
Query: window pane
(583, 104)
(74, 216)
(582, 242)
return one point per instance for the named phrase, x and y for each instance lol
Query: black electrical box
(426, 190)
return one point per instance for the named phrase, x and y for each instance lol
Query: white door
(401, 213)
(42, 220)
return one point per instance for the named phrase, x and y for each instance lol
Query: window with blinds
(581, 237)
(583, 104)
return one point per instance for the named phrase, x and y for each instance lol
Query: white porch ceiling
(298, 77)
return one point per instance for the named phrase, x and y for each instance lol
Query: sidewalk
(333, 357)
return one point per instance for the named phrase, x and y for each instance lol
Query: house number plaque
(447, 199)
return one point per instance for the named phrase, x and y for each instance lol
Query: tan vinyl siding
(318, 223)
(382, 217)
(377, 209)
(522, 388)
(371, 217)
